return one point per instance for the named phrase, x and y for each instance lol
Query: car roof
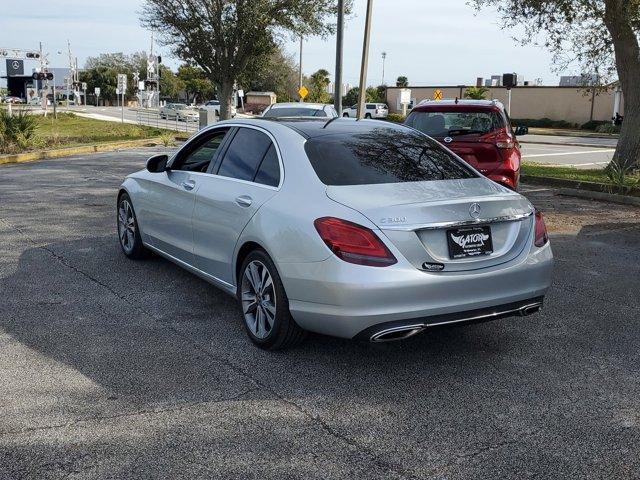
(458, 104)
(310, 106)
(318, 127)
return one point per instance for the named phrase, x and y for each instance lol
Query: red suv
(478, 131)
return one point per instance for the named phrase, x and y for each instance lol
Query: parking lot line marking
(564, 154)
(576, 164)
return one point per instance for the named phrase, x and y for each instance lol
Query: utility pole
(300, 67)
(365, 62)
(384, 58)
(337, 91)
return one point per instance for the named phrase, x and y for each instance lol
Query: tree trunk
(627, 51)
(225, 96)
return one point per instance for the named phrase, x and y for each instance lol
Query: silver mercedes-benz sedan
(357, 229)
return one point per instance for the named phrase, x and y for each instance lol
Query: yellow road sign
(438, 95)
(303, 92)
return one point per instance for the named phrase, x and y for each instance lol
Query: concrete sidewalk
(570, 141)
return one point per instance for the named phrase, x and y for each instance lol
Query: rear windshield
(294, 112)
(382, 155)
(450, 124)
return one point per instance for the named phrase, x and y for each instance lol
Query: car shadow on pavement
(148, 328)
(152, 364)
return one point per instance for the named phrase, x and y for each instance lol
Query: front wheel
(264, 304)
(128, 230)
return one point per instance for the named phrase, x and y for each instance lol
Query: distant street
(576, 152)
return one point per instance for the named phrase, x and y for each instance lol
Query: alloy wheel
(258, 299)
(126, 226)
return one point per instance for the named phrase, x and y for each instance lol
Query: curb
(588, 190)
(601, 196)
(556, 144)
(66, 152)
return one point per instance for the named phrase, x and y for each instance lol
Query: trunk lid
(416, 217)
(479, 151)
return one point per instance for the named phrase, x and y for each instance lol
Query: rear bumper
(339, 299)
(403, 329)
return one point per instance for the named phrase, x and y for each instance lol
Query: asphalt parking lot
(117, 369)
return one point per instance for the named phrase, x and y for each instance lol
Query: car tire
(264, 304)
(128, 230)
(367, 115)
(345, 115)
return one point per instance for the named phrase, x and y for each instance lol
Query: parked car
(372, 110)
(355, 229)
(215, 106)
(11, 99)
(189, 114)
(479, 131)
(300, 109)
(170, 110)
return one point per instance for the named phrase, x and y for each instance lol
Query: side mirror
(157, 163)
(519, 131)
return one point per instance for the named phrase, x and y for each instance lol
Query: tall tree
(602, 35)
(227, 37)
(196, 84)
(402, 81)
(318, 83)
(102, 71)
(277, 73)
(476, 93)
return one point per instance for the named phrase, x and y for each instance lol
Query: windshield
(448, 124)
(294, 112)
(382, 155)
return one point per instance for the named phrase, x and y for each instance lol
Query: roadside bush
(396, 118)
(17, 132)
(608, 128)
(168, 139)
(255, 108)
(593, 125)
(543, 123)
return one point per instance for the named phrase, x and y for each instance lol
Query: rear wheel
(368, 115)
(128, 230)
(264, 304)
(345, 115)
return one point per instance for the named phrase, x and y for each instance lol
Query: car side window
(269, 170)
(198, 159)
(243, 157)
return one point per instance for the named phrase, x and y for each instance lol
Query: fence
(151, 118)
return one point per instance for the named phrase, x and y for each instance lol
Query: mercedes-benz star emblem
(448, 140)
(475, 210)
(15, 65)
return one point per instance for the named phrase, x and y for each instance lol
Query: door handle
(244, 201)
(189, 185)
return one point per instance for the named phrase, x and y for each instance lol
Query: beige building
(261, 98)
(572, 104)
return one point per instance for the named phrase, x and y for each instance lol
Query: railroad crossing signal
(438, 95)
(303, 92)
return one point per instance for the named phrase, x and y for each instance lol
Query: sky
(430, 42)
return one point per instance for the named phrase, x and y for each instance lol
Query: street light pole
(300, 67)
(384, 58)
(337, 95)
(365, 62)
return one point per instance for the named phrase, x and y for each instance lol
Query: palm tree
(402, 82)
(476, 93)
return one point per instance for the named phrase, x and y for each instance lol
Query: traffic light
(33, 55)
(42, 76)
(159, 59)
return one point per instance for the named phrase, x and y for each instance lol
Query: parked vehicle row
(367, 229)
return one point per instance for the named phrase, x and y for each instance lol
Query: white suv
(372, 110)
(215, 106)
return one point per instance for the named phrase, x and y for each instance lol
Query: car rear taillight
(542, 237)
(354, 243)
(505, 141)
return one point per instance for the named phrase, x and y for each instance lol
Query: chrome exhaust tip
(396, 333)
(530, 309)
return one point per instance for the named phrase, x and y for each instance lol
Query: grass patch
(71, 130)
(600, 176)
(565, 173)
